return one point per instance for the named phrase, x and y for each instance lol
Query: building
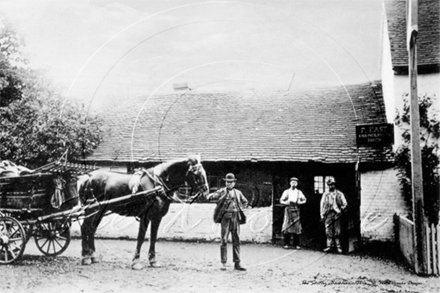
(264, 138)
(395, 79)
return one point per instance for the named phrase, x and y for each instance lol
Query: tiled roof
(428, 38)
(317, 125)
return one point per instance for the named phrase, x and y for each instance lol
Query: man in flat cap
(230, 202)
(333, 202)
(292, 198)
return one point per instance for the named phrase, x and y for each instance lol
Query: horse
(105, 185)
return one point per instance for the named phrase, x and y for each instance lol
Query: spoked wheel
(53, 238)
(12, 240)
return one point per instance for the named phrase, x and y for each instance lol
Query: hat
(331, 181)
(294, 179)
(230, 177)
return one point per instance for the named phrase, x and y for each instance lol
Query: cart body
(29, 196)
(27, 203)
(42, 205)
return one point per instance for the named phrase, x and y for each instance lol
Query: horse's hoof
(86, 261)
(137, 266)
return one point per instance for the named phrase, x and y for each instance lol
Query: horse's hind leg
(152, 252)
(143, 226)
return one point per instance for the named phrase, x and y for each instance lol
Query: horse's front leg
(143, 226)
(86, 244)
(152, 252)
(88, 230)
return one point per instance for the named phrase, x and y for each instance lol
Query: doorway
(312, 182)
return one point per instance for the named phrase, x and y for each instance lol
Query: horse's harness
(157, 180)
(138, 174)
(154, 177)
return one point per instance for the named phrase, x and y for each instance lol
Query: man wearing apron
(292, 198)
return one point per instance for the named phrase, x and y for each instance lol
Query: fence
(405, 239)
(433, 250)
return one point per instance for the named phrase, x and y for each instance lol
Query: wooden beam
(416, 155)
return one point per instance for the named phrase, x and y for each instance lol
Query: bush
(429, 137)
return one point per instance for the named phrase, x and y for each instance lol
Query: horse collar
(157, 180)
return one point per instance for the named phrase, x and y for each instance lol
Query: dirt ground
(194, 267)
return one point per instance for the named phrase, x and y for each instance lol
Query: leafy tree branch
(33, 132)
(429, 138)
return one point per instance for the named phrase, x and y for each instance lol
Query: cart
(43, 205)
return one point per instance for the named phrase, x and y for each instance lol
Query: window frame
(321, 181)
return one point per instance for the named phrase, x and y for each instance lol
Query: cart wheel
(53, 238)
(12, 240)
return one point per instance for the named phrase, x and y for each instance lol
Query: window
(319, 185)
(215, 182)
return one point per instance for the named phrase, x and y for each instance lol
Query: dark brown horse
(103, 185)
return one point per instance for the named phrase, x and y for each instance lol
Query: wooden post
(416, 155)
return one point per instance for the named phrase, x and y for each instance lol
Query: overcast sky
(93, 49)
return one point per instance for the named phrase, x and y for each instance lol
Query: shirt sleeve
(301, 198)
(343, 201)
(285, 198)
(217, 194)
(322, 205)
(244, 200)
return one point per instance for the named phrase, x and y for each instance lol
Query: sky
(95, 49)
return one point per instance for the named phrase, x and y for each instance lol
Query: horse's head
(196, 175)
(175, 173)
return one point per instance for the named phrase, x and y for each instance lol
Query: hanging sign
(374, 134)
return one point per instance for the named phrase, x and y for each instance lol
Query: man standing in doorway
(333, 203)
(231, 202)
(292, 198)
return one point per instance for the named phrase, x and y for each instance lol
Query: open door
(353, 221)
(350, 186)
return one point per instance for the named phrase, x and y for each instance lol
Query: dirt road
(194, 267)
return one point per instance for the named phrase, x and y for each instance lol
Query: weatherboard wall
(188, 222)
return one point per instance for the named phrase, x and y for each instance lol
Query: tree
(37, 126)
(429, 136)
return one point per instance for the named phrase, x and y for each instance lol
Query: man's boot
(329, 245)
(286, 238)
(238, 267)
(338, 245)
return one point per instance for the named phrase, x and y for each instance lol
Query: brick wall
(380, 200)
(188, 222)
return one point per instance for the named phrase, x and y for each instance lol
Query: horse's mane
(165, 166)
